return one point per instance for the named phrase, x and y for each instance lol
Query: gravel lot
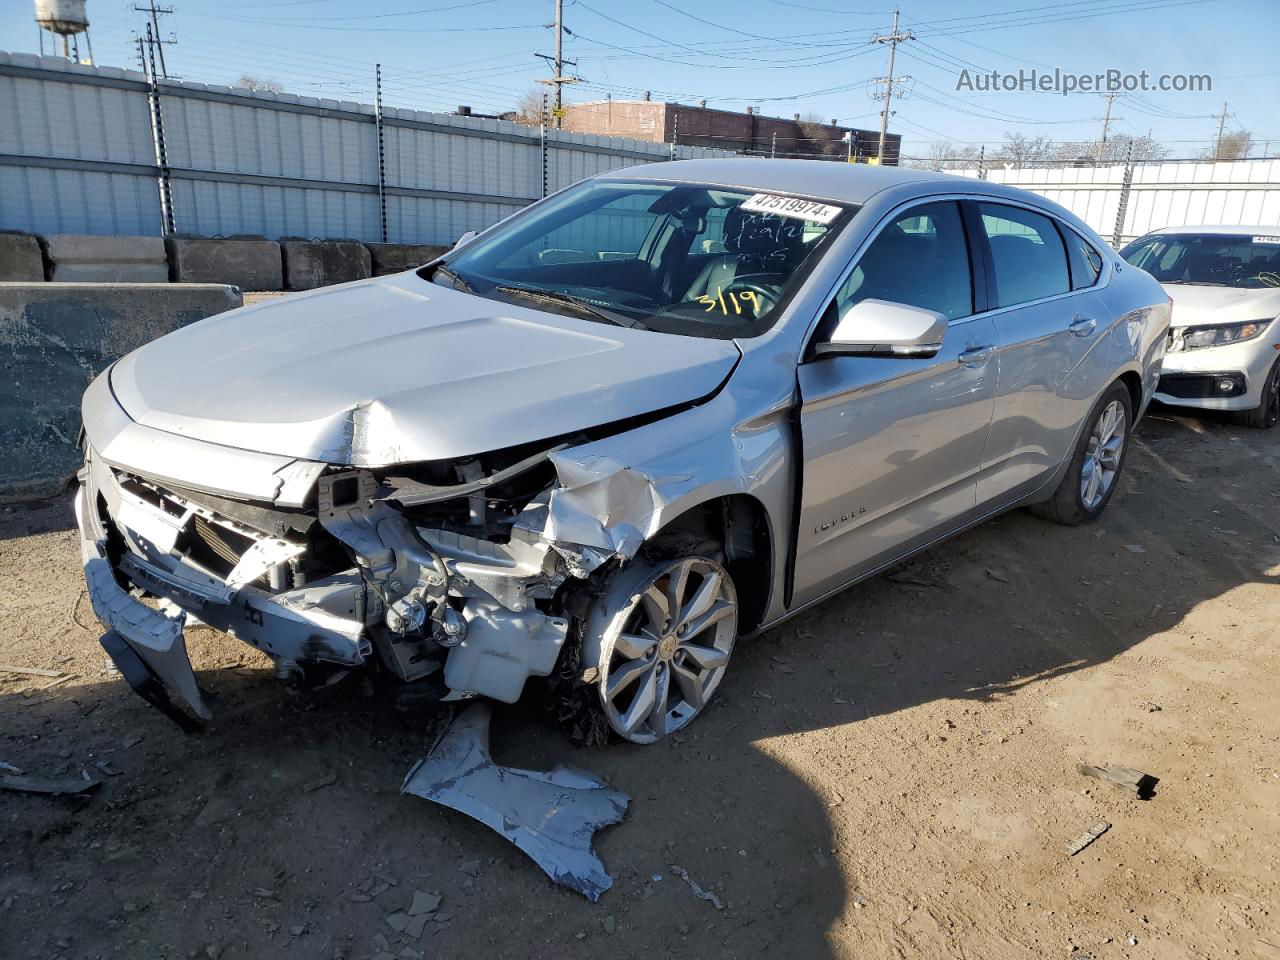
(891, 775)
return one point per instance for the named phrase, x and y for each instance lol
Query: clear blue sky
(784, 56)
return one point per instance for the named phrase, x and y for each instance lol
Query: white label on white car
(1266, 239)
(791, 207)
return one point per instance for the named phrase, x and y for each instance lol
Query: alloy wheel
(1102, 455)
(670, 648)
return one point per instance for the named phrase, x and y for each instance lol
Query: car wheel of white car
(1265, 415)
(1096, 463)
(659, 640)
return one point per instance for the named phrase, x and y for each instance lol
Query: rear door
(1050, 325)
(892, 446)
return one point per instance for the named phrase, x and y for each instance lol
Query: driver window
(921, 259)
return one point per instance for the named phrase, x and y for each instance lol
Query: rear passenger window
(1086, 262)
(1026, 249)
(921, 259)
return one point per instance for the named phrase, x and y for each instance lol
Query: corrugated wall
(77, 156)
(1168, 194)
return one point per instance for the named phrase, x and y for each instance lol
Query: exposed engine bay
(451, 575)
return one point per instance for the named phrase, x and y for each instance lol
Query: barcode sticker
(791, 207)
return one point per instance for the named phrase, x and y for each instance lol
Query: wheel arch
(741, 523)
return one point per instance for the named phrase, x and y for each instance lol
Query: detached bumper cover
(156, 638)
(551, 816)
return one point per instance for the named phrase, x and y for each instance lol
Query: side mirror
(464, 239)
(879, 328)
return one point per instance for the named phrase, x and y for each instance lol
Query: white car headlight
(1197, 338)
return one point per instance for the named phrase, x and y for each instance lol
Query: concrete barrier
(398, 257)
(77, 258)
(309, 264)
(20, 258)
(247, 263)
(54, 338)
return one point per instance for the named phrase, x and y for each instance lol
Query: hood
(396, 369)
(1196, 306)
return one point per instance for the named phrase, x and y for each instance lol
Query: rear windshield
(1209, 259)
(690, 259)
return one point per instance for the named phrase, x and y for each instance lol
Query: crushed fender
(601, 508)
(550, 816)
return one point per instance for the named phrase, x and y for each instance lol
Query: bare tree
(944, 155)
(250, 82)
(1019, 150)
(1115, 150)
(528, 109)
(1233, 146)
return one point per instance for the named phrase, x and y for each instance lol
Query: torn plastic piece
(143, 682)
(698, 891)
(71, 786)
(550, 816)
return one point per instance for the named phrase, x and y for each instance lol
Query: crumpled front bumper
(148, 644)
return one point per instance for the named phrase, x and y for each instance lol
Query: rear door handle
(976, 356)
(1082, 326)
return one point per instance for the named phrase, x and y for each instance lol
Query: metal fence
(1123, 201)
(83, 151)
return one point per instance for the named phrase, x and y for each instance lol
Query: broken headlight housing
(1198, 338)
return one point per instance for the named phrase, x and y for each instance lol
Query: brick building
(703, 126)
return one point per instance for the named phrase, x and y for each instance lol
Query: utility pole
(1222, 122)
(892, 40)
(154, 13)
(1106, 122)
(558, 61)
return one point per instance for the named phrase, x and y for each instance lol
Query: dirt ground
(891, 775)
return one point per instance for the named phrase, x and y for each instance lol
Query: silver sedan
(598, 442)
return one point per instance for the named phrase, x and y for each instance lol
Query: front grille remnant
(206, 532)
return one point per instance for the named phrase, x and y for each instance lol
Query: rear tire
(1265, 415)
(1096, 463)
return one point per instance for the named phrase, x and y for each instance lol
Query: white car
(1224, 346)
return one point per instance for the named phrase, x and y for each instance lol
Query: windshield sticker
(790, 207)
(1255, 239)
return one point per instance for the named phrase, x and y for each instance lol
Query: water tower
(65, 19)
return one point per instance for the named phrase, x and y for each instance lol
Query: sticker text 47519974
(790, 207)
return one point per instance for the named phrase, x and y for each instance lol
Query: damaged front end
(456, 576)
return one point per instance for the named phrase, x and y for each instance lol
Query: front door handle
(976, 356)
(1082, 326)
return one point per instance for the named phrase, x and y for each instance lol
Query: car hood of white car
(396, 370)
(1196, 305)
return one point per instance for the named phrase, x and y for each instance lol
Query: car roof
(1249, 229)
(842, 182)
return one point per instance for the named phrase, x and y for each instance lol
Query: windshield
(1213, 259)
(690, 259)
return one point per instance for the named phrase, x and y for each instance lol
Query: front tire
(1265, 415)
(1096, 463)
(659, 638)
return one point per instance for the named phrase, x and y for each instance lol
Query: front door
(892, 446)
